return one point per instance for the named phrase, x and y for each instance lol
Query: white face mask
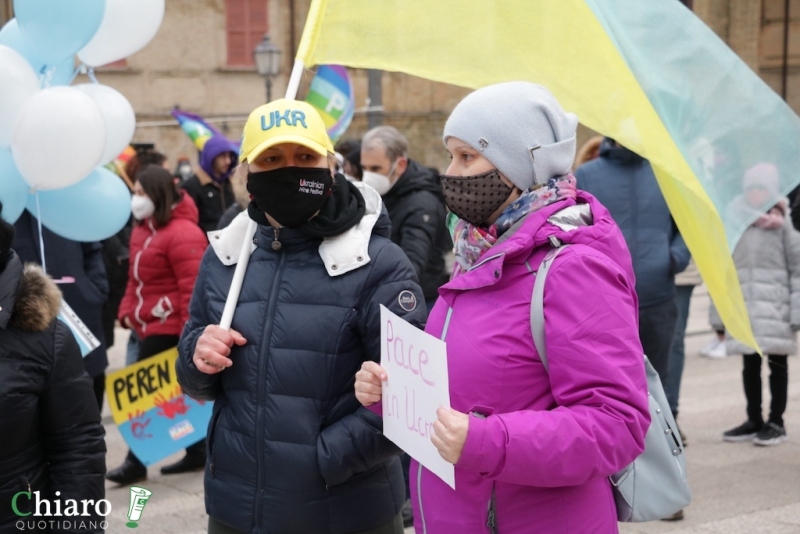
(379, 182)
(142, 207)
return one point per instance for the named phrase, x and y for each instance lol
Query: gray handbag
(654, 485)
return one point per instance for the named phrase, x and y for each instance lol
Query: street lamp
(267, 57)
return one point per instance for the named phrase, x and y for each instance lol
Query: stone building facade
(199, 61)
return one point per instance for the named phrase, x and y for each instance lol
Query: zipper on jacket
(262, 385)
(419, 498)
(276, 243)
(491, 514)
(484, 260)
(139, 297)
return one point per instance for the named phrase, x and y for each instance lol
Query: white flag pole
(238, 277)
(244, 253)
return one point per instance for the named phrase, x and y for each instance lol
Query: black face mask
(291, 195)
(475, 198)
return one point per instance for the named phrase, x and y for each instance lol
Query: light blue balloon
(61, 73)
(57, 29)
(93, 209)
(13, 189)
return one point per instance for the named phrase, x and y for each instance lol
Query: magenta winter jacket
(540, 445)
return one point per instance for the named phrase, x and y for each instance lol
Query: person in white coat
(767, 259)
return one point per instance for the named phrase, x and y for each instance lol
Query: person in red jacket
(165, 252)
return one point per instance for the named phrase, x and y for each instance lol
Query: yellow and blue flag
(648, 73)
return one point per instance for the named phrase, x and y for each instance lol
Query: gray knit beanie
(507, 121)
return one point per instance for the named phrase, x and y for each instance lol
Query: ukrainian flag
(648, 73)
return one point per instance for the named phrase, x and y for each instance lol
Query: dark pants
(677, 356)
(152, 345)
(405, 463)
(394, 526)
(778, 387)
(656, 329)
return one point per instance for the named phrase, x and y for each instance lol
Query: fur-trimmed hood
(29, 299)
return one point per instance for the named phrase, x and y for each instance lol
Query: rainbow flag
(648, 73)
(331, 93)
(198, 130)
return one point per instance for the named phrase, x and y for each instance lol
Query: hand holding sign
(449, 430)
(369, 385)
(415, 364)
(450, 433)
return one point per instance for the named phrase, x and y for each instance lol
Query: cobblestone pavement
(737, 487)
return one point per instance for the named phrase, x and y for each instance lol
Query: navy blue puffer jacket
(290, 447)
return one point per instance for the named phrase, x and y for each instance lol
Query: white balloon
(127, 26)
(118, 115)
(18, 83)
(58, 138)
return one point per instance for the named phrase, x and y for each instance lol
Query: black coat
(53, 439)
(212, 200)
(290, 448)
(116, 254)
(82, 261)
(417, 211)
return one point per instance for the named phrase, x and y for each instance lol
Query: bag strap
(447, 322)
(537, 299)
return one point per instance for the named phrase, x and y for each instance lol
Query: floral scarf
(470, 241)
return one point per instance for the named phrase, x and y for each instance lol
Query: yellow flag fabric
(564, 45)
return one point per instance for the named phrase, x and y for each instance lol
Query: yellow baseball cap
(284, 121)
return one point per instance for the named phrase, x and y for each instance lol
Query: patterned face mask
(475, 198)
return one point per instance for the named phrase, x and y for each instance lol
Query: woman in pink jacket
(532, 448)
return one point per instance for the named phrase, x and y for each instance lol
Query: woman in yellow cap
(290, 449)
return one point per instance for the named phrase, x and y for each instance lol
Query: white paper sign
(417, 385)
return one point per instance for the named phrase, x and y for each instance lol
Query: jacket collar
(340, 254)
(204, 178)
(29, 298)
(530, 232)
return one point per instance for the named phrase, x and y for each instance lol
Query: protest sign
(151, 411)
(417, 385)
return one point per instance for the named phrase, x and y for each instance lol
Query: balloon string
(90, 74)
(41, 238)
(75, 73)
(47, 76)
